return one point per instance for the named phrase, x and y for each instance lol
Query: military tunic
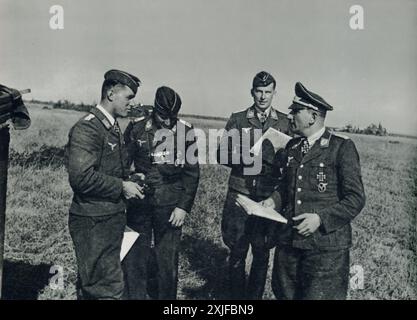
(97, 165)
(173, 182)
(326, 181)
(96, 161)
(238, 229)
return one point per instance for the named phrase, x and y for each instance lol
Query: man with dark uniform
(322, 192)
(238, 229)
(157, 145)
(96, 162)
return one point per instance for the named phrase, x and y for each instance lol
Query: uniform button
(298, 189)
(302, 166)
(298, 202)
(300, 177)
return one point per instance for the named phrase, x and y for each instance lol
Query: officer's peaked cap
(308, 99)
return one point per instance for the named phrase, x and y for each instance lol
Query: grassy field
(37, 236)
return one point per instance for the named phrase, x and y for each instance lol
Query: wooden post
(4, 157)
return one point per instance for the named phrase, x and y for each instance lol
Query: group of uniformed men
(129, 179)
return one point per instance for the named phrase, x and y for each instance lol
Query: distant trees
(140, 110)
(65, 104)
(377, 130)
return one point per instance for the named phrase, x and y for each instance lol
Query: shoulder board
(340, 136)
(138, 119)
(89, 117)
(281, 113)
(241, 111)
(186, 123)
(148, 125)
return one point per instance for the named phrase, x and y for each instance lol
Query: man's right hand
(132, 190)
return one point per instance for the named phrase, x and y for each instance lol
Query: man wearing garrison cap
(97, 169)
(239, 230)
(321, 192)
(158, 144)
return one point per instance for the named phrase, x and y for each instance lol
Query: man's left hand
(177, 217)
(310, 223)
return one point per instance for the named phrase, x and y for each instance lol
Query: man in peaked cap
(172, 181)
(321, 192)
(97, 169)
(239, 230)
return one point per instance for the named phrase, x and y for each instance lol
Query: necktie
(117, 130)
(305, 146)
(262, 117)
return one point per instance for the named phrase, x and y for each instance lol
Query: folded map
(129, 238)
(278, 139)
(256, 209)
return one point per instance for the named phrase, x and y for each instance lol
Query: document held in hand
(129, 238)
(254, 208)
(278, 139)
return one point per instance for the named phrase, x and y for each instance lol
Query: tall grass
(39, 197)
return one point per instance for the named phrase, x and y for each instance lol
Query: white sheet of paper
(254, 208)
(129, 238)
(278, 139)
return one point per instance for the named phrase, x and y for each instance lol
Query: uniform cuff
(183, 207)
(323, 222)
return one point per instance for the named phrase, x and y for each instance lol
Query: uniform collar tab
(109, 117)
(102, 117)
(325, 139)
(148, 125)
(274, 114)
(250, 113)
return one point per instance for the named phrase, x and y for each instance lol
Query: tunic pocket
(322, 177)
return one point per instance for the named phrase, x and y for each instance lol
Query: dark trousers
(97, 242)
(239, 231)
(310, 274)
(142, 263)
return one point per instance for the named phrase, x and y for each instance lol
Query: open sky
(209, 51)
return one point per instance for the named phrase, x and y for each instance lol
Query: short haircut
(108, 85)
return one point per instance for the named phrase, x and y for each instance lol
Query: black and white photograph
(208, 150)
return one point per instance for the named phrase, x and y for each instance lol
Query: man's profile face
(121, 98)
(300, 120)
(262, 96)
